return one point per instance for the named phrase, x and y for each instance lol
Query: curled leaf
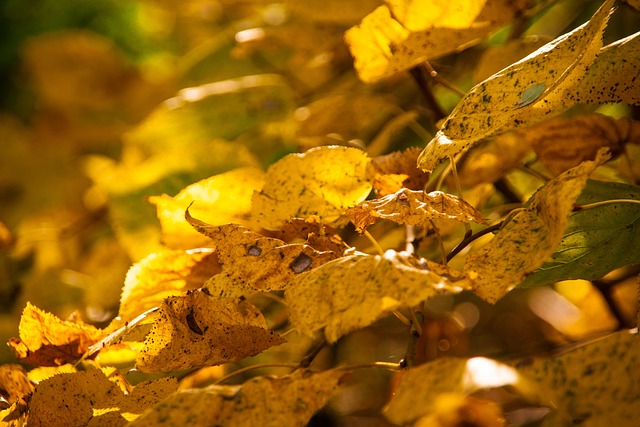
(46, 340)
(354, 291)
(198, 330)
(398, 170)
(413, 208)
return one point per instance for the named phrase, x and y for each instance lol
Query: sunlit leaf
(252, 262)
(530, 237)
(322, 182)
(413, 208)
(15, 383)
(524, 92)
(198, 330)
(220, 199)
(383, 46)
(46, 340)
(398, 170)
(587, 387)
(90, 398)
(279, 402)
(597, 240)
(354, 291)
(433, 383)
(312, 232)
(164, 274)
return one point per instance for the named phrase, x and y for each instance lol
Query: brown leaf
(14, 383)
(391, 167)
(198, 330)
(260, 402)
(413, 208)
(46, 340)
(312, 232)
(252, 262)
(354, 291)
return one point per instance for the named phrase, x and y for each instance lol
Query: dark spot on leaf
(254, 251)
(301, 263)
(193, 325)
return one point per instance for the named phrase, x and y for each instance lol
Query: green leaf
(596, 240)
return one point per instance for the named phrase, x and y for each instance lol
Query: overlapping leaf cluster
(254, 251)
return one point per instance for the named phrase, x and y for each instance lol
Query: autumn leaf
(404, 34)
(198, 330)
(46, 340)
(530, 237)
(585, 384)
(221, 199)
(288, 401)
(597, 240)
(524, 92)
(398, 170)
(413, 208)
(422, 390)
(312, 232)
(90, 398)
(252, 262)
(164, 274)
(354, 291)
(323, 181)
(15, 383)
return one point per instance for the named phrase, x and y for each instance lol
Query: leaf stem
(384, 365)
(404, 319)
(418, 75)
(473, 237)
(435, 76)
(308, 359)
(440, 242)
(259, 366)
(604, 203)
(374, 242)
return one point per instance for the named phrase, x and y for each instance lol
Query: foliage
(411, 213)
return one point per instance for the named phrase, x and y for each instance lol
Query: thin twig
(471, 238)
(419, 77)
(440, 242)
(308, 359)
(604, 203)
(260, 366)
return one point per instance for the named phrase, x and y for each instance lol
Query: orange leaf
(46, 340)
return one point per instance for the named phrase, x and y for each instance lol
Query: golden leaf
(90, 398)
(46, 340)
(413, 208)
(354, 291)
(220, 199)
(164, 274)
(289, 401)
(15, 383)
(323, 181)
(312, 232)
(251, 262)
(398, 170)
(383, 46)
(197, 330)
(530, 237)
(522, 93)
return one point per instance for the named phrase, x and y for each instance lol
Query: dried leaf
(354, 291)
(398, 170)
(383, 46)
(90, 398)
(413, 208)
(312, 232)
(597, 240)
(198, 330)
(220, 199)
(14, 383)
(164, 274)
(587, 387)
(251, 262)
(526, 91)
(289, 401)
(563, 143)
(323, 181)
(529, 238)
(46, 340)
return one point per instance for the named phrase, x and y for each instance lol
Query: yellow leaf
(354, 291)
(323, 181)
(312, 232)
(220, 199)
(251, 262)
(398, 170)
(595, 384)
(260, 402)
(90, 398)
(525, 92)
(413, 208)
(383, 46)
(497, 57)
(530, 237)
(46, 340)
(416, 15)
(15, 383)
(197, 330)
(164, 274)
